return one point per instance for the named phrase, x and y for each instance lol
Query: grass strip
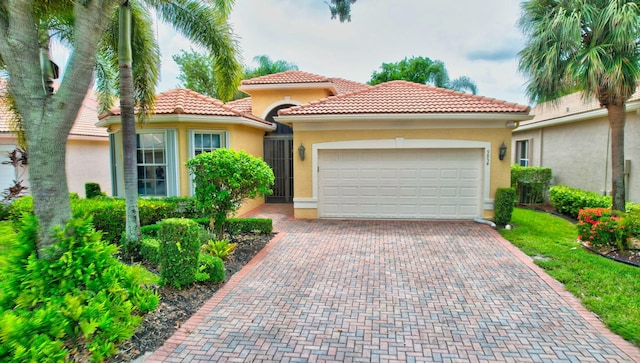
(607, 288)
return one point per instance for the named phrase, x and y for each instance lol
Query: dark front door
(278, 153)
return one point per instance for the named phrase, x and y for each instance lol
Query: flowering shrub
(599, 227)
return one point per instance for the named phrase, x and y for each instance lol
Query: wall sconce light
(301, 152)
(503, 151)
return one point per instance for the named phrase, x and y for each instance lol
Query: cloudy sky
(478, 39)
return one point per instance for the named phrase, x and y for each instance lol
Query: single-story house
(571, 136)
(339, 149)
(87, 158)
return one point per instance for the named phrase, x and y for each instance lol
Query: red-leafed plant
(602, 227)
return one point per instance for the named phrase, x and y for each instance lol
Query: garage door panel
(403, 183)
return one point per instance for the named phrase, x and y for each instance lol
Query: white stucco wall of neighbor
(579, 153)
(88, 161)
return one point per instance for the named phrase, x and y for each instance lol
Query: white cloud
(478, 39)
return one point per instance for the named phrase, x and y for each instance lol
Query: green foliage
(607, 288)
(225, 177)
(569, 201)
(243, 225)
(5, 211)
(266, 66)
(601, 227)
(150, 230)
(531, 183)
(109, 213)
(421, 70)
(150, 250)
(210, 269)
(341, 9)
(221, 249)
(92, 190)
(80, 294)
(179, 250)
(503, 205)
(249, 225)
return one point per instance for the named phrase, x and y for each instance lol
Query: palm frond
(206, 26)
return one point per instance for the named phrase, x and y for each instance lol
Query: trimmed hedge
(92, 190)
(243, 225)
(531, 183)
(569, 201)
(150, 230)
(503, 205)
(179, 250)
(109, 213)
(150, 250)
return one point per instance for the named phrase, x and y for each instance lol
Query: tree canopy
(197, 72)
(422, 70)
(590, 46)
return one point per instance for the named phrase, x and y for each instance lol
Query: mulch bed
(177, 306)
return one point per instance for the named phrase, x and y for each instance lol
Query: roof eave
(289, 86)
(169, 118)
(507, 116)
(633, 106)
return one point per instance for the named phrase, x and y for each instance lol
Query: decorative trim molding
(305, 203)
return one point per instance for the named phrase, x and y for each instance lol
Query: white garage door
(400, 183)
(7, 172)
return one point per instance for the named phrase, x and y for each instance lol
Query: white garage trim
(397, 143)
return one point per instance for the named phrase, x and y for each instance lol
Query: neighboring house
(339, 149)
(87, 155)
(571, 136)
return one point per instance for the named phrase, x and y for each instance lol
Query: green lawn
(609, 289)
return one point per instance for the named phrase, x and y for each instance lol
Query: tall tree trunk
(128, 118)
(48, 118)
(616, 114)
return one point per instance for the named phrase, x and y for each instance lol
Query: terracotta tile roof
(346, 86)
(287, 77)
(242, 105)
(183, 101)
(83, 126)
(404, 97)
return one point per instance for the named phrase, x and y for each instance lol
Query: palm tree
(422, 70)
(268, 66)
(591, 46)
(204, 23)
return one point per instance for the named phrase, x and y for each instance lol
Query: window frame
(520, 158)
(224, 143)
(170, 162)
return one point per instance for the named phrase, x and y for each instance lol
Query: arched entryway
(278, 153)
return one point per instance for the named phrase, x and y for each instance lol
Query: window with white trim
(202, 141)
(151, 150)
(206, 141)
(522, 152)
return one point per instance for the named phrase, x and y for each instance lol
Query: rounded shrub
(211, 269)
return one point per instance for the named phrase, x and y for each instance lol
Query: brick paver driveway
(392, 291)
